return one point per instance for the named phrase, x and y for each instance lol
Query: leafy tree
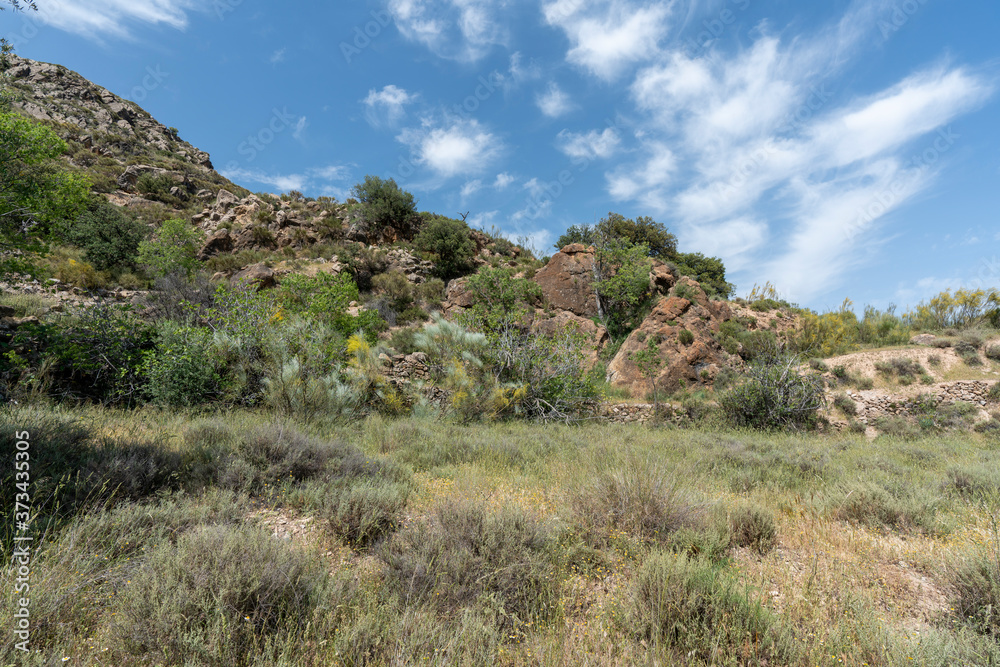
(173, 248)
(659, 242)
(110, 237)
(450, 243)
(34, 191)
(622, 284)
(710, 273)
(583, 234)
(500, 302)
(384, 205)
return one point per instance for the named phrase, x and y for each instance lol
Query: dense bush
(449, 243)
(173, 248)
(645, 231)
(98, 356)
(773, 394)
(709, 272)
(384, 206)
(181, 370)
(109, 236)
(326, 298)
(977, 586)
(753, 527)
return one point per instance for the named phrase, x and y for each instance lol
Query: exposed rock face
(683, 364)
(220, 241)
(567, 281)
(56, 94)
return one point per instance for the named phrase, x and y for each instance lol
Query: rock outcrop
(686, 362)
(567, 281)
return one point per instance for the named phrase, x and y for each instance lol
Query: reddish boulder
(567, 281)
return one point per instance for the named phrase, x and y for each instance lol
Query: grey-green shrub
(216, 597)
(773, 395)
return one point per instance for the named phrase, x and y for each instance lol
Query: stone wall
(872, 404)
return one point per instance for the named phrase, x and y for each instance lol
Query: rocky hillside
(140, 164)
(107, 135)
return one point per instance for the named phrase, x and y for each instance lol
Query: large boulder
(257, 274)
(567, 281)
(684, 364)
(220, 241)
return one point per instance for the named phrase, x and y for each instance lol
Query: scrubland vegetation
(514, 543)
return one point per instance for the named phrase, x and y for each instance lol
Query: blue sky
(836, 149)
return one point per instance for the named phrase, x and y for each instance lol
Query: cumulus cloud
(387, 106)
(502, 181)
(589, 146)
(608, 35)
(459, 147)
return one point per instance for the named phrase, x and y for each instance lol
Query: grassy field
(240, 539)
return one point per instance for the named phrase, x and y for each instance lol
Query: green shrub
(818, 365)
(900, 367)
(326, 298)
(173, 248)
(431, 291)
(181, 371)
(685, 337)
(395, 287)
(366, 511)
(773, 395)
(109, 237)
(450, 243)
(992, 352)
(873, 505)
(216, 596)
(692, 608)
(383, 206)
(709, 272)
(994, 392)
(463, 557)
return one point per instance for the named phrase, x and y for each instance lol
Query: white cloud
(589, 146)
(95, 19)
(471, 188)
(503, 180)
(463, 30)
(317, 181)
(387, 106)
(609, 35)
(462, 147)
(278, 56)
(731, 141)
(554, 102)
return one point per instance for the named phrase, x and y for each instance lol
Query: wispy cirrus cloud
(463, 30)
(331, 180)
(730, 141)
(96, 19)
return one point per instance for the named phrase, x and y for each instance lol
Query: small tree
(710, 273)
(384, 205)
(774, 395)
(622, 284)
(173, 248)
(451, 245)
(649, 362)
(109, 236)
